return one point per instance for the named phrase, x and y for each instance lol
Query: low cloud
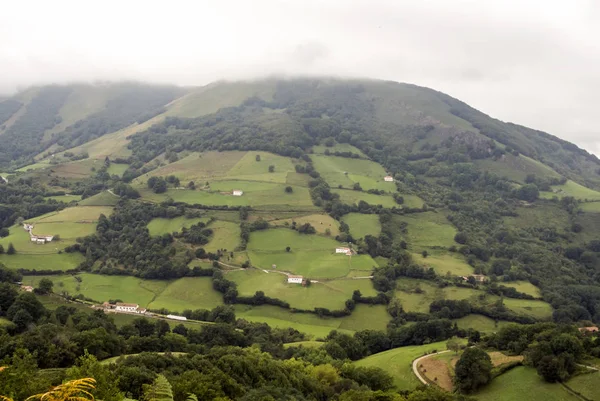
(535, 63)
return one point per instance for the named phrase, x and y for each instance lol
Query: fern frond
(191, 397)
(3, 398)
(74, 390)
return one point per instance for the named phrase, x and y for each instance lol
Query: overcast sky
(532, 62)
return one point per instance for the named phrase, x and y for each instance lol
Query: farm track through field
(415, 366)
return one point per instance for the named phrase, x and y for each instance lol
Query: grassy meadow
(187, 293)
(351, 197)
(525, 287)
(226, 235)
(362, 225)
(481, 323)
(321, 223)
(104, 198)
(162, 225)
(52, 261)
(571, 188)
(338, 147)
(427, 230)
(444, 262)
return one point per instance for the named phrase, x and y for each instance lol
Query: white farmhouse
(27, 227)
(294, 279)
(343, 250)
(175, 317)
(238, 192)
(388, 178)
(123, 307)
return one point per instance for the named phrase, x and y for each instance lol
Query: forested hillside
(367, 219)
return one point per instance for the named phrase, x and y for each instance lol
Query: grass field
(590, 207)
(516, 168)
(117, 169)
(479, 322)
(346, 172)
(311, 255)
(540, 215)
(161, 225)
(362, 225)
(444, 262)
(65, 198)
(416, 295)
(188, 293)
(514, 384)
(571, 188)
(338, 147)
(354, 197)
(226, 235)
(586, 385)
(249, 169)
(321, 223)
(54, 261)
(536, 309)
(426, 230)
(104, 198)
(366, 317)
(327, 294)
(277, 317)
(305, 344)
(398, 363)
(102, 288)
(73, 214)
(525, 287)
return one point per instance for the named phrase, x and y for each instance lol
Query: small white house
(33, 238)
(388, 178)
(123, 307)
(175, 317)
(40, 241)
(294, 279)
(238, 192)
(48, 238)
(343, 250)
(27, 227)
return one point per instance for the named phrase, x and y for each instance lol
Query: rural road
(415, 366)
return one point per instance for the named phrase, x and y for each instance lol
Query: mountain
(353, 216)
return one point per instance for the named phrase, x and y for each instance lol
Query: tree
(461, 238)
(425, 254)
(257, 158)
(271, 168)
(287, 249)
(357, 186)
(1, 249)
(473, 370)
(529, 193)
(289, 189)
(191, 185)
(22, 319)
(45, 286)
(11, 249)
(453, 345)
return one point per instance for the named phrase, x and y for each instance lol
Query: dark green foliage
(45, 286)
(289, 189)
(7, 109)
(11, 249)
(473, 370)
(528, 193)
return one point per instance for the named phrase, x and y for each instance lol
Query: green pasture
(102, 288)
(305, 344)
(571, 188)
(297, 179)
(366, 317)
(516, 168)
(426, 230)
(398, 363)
(117, 169)
(535, 309)
(65, 198)
(278, 239)
(336, 170)
(443, 262)
(73, 215)
(197, 167)
(481, 323)
(104, 198)
(249, 169)
(351, 197)
(525, 287)
(274, 316)
(590, 207)
(416, 295)
(586, 385)
(539, 215)
(162, 225)
(321, 223)
(226, 235)
(327, 294)
(187, 293)
(362, 225)
(34, 166)
(52, 261)
(523, 383)
(338, 147)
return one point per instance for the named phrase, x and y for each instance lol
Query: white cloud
(534, 62)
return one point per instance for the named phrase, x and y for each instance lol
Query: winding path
(415, 366)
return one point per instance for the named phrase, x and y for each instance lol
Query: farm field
(521, 380)
(481, 323)
(104, 198)
(586, 385)
(398, 363)
(250, 169)
(305, 344)
(321, 223)
(117, 169)
(536, 309)
(187, 293)
(525, 287)
(346, 172)
(539, 216)
(516, 168)
(443, 262)
(351, 197)
(338, 147)
(366, 317)
(590, 207)
(427, 230)
(327, 294)
(310, 255)
(102, 288)
(226, 235)
(362, 225)
(162, 225)
(73, 214)
(64, 198)
(274, 316)
(571, 188)
(52, 261)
